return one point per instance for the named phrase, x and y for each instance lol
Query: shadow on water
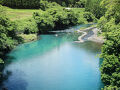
(14, 84)
(90, 46)
(100, 62)
(4, 77)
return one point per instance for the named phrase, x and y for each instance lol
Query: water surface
(54, 63)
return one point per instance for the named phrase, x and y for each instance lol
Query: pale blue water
(54, 63)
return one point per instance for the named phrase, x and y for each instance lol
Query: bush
(80, 4)
(57, 18)
(101, 22)
(26, 26)
(110, 52)
(44, 5)
(21, 3)
(29, 4)
(89, 17)
(44, 21)
(95, 8)
(8, 37)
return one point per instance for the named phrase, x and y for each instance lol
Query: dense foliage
(26, 26)
(21, 3)
(90, 17)
(41, 3)
(30, 4)
(8, 37)
(110, 26)
(95, 8)
(80, 4)
(71, 3)
(57, 18)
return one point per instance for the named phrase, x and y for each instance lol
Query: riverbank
(90, 34)
(29, 37)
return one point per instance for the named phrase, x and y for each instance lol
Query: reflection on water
(90, 46)
(54, 63)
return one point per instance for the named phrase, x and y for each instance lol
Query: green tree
(110, 25)
(95, 8)
(8, 37)
(44, 21)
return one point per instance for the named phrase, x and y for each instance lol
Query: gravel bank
(90, 34)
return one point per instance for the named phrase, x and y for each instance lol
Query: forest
(52, 15)
(38, 3)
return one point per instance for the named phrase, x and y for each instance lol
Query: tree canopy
(110, 25)
(39, 3)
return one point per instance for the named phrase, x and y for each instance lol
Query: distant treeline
(21, 3)
(37, 3)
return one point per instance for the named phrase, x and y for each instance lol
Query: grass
(17, 14)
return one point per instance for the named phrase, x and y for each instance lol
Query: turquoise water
(54, 63)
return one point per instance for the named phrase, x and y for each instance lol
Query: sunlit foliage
(57, 18)
(110, 26)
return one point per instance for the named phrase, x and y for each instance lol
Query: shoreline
(29, 37)
(90, 34)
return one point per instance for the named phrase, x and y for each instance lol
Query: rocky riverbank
(90, 34)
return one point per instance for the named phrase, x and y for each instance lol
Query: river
(54, 63)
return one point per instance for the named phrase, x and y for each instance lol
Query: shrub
(44, 21)
(8, 37)
(26, 26)
(57, 18)
(44, 5)
(89, 17)
(29, 4)
(80, 4)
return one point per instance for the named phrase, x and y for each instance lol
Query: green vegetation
(108, 13)
(40, 3)
(21, 3)
(26, 26)
(8, 37)
(17, 24)
(110, 26)
(18, 14)
(57, 18)
(28, 37)
(80, 4)
(95, 8)
(90, 17)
